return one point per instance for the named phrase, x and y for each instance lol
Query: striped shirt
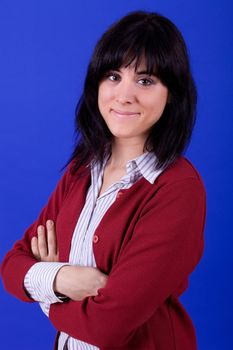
(40, 277)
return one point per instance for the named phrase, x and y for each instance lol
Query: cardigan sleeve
(20, 259)
(166, 245)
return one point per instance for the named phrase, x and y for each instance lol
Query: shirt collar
(143, 164)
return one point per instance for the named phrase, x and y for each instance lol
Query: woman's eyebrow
(144, 72)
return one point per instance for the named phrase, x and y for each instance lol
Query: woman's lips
(124, 114)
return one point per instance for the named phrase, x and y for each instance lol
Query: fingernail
(40, 228)
(50, 223)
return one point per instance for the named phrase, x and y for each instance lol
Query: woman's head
(131, 101)
(149, 40)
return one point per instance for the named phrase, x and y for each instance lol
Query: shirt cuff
(45, 308)
(39, 281)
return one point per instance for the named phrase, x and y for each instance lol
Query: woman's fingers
(42, 242)
(44, 246)
(51, 239)
(34, 247)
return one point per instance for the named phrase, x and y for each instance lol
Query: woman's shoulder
(180, 170)
(75, 171)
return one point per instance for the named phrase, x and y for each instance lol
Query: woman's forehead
(132, 60)
(139, 65)
(139, 70)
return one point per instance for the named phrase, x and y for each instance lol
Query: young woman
(112, 251)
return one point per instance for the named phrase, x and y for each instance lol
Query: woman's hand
(44, 247)
(78, 282)
(75, 282)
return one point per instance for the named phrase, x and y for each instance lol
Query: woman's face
(131, 102)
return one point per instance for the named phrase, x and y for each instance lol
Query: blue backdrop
(44, 51)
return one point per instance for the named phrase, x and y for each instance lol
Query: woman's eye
(112, 76)
(146, 81)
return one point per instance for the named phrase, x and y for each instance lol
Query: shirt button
(132, 165)
(95, 239)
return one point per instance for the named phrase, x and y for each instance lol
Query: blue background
(44, 51)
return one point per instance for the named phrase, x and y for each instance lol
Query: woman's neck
(122, 152)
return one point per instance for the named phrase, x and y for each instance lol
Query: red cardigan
(148, 242)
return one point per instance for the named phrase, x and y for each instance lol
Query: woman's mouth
(124, 114)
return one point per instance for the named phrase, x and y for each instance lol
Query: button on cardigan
(149, 241)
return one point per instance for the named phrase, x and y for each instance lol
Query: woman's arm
(20, 258)
(165, 248)
(39, 280)
(80, 282)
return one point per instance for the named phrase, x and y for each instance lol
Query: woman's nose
(125, 92)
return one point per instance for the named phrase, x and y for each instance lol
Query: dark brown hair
(156, 39)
